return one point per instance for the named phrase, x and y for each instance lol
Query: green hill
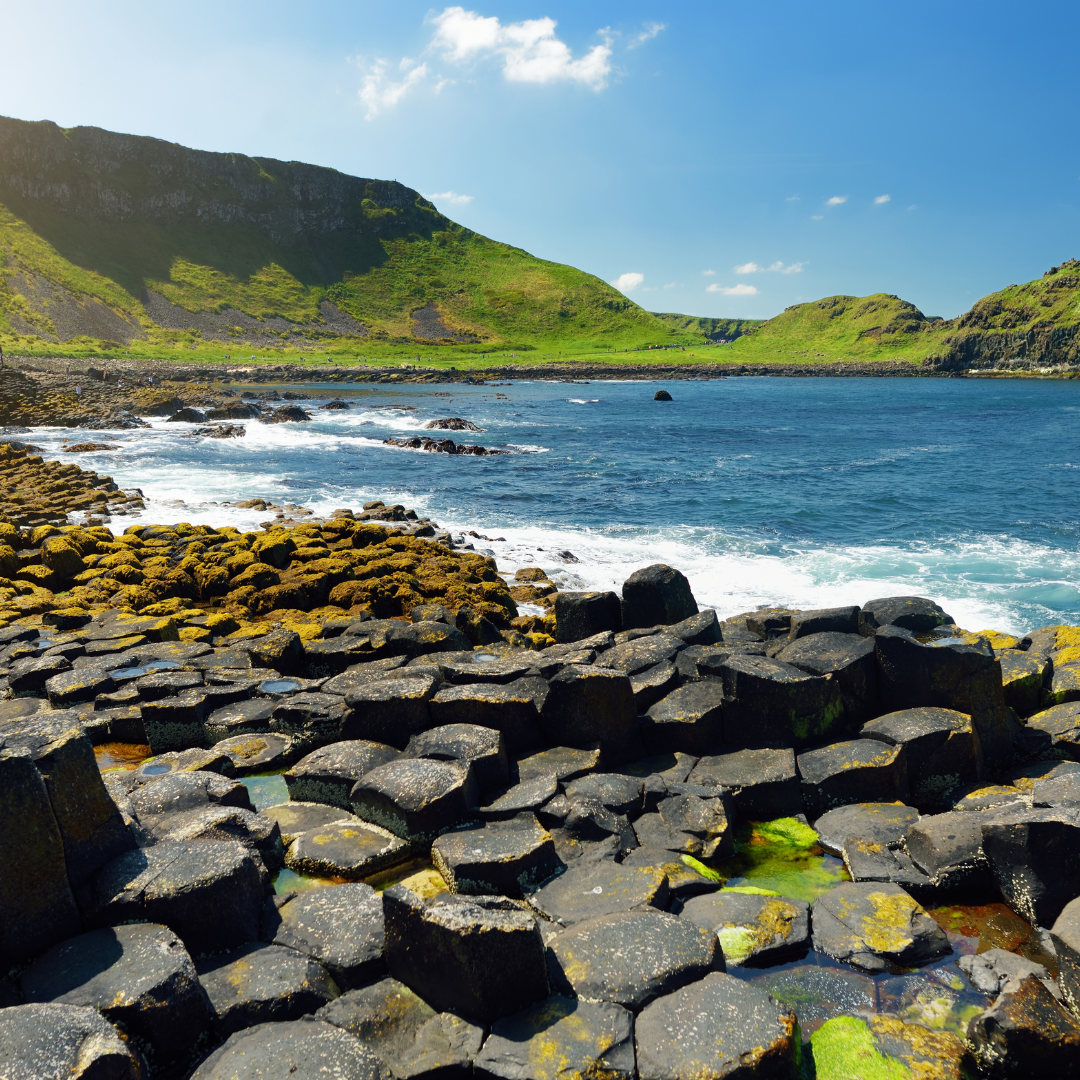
(712, 329)
(117, 238)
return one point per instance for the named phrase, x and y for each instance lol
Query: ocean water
(805, 492)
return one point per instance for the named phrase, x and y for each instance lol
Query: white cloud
(650, 31)
(378, 91)
(911, 207)
(817, 217)
(670, 285)
(530, 51)
(709, 273)
(451, 197)
(883, 199)
(775, 268)
(793, 198)
(628, 282)
(741, 289)
(836, 200)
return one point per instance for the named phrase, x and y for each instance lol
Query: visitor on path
(78, 391)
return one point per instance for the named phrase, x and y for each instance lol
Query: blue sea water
(807, 492)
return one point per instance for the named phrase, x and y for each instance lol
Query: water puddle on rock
(419, 875)
(119, 755)
(266, 789)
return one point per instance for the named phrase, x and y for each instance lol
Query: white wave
(582, 401)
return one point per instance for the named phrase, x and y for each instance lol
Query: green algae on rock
(883, 1048)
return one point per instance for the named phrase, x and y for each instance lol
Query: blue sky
(714, 158)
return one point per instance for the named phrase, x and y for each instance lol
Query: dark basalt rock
(838, 620)
(470, 745)
(481, 957)
(390, 711)
(753, 930)
(580, 615)
(883, 822)
(857, 770)
(296, 818)
(591, 706)
(565, 763)
(630, 959)
(140, 977)
(700, 629)
(1023, 678)
(661, 395)
(296, 1049)
(656, 595)
(763, 783)
(720, 1026)
(691, 824)
(384, 1015)
(914, 613)
(684, 880)
(415, 798)
(872, 924)
(940, 749)
(452, 423)
(1065, 934)
(528, 795)
(870, 860)
(255, 753)
(260, 834)
(558, 1038)
(511, 708)
(177, 883)
(187, 415)
(258, 984)
(1062, 724)
(501, 858)
(850, 660)
(652, 684)
(619, 793)
(634, 656)
(689, 719)
(329, 774)
(349, 849)
(949, 848)
(57, 1042)
(172, 792)
(605, 888)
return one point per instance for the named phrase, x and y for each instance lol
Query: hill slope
(125, 238)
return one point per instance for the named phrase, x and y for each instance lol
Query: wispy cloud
(379, 91)
(817, 217)
(451, 197)
(793, 198)
(709, 273)
(670, 285)
(911, 207)
(836, 200)
(742, 289)
(882, 199)
(628, 282)
(647, 34)
(529, 50)
(774, 268)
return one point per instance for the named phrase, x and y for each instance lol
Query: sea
(801, 492)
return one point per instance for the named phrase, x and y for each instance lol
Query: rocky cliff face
(114, 177)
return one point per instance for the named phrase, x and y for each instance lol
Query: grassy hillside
(712, 329)
(148, 244)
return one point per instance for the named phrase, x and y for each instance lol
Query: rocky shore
(247, 835)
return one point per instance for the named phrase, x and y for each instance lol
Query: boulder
(510, 708)
(481, 957)
(885, 823)
(349, 849)
(390, 711)
(1026, 1033)
(656, 595)
(871, 925)
(631, 958)
(589, 706)
(990, 972)
(177, 883)
(37, 907)
(1065, 934)
(837, 620)
(763, 783)
(293, 1050)
(560, 1038)
(310, 719)
(940, 748)
(340, 926)
(415, 798)
(502, 858)
(481, 748)
(589, 891)
(690, 719)
(717, 1027)
(565, 763)
(914, 613)
(187, 415)
(1023, 678)
(329, 774)
(60, 1042)
(857, 770)
(580, 615)
(949, 849)
(692, 822)
(774, 704)
(1062, 724)
(847, 657)
(258, 984)
(752, 929)
(296, 818)
(700, 629)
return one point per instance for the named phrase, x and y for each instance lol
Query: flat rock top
(589, 891)
(745, 768)
(562, 762)
(333, 920)
(350, 758)
(258, 972)
(300, 817)
(385, 1015)
(471, 914)
(1058, 720)
(909, 724)
(822, 653)
(717, 1027)
(496, 841)
(751, 925)
(818, 765)
(885, 823)
(411, 783)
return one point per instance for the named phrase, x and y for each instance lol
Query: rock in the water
(752, 928)
(345, 849)
(689, 822)
(885, 822)
(718, 1027)
(853, 771)
(949, 848)
(259, 984)
(292, 1050)
(64, 1042)
(415, 798)
(869, 924)
(1026, 1033)
(256, 753)
(501, 858)
(589, 891)
(763, 783)
(559, 1039)
(630, 959)
(990, 971)
(139, 976)
(656, 595)
(177, 882)
(340, 926)
(884, 1046)
(940, 749)
(328, 774)
(480, 957)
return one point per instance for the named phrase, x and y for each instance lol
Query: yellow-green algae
(783, 857)
(844, 1049)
